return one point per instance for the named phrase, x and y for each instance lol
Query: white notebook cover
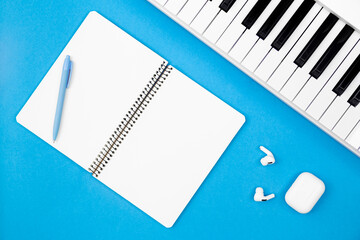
(170, 149)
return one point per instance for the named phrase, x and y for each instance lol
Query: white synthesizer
(305, 52)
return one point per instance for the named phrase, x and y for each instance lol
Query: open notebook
(136, 123)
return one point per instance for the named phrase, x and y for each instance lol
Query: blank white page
(110, 69)
(172, 148)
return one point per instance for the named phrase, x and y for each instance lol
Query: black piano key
(293, 23)
(255, 12)
(226, 5)
(331, 52)
(274, 18)
(348, 77)
(316, 40)
(355, 97)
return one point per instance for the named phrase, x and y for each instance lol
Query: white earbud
(268, 159)
(259, 195)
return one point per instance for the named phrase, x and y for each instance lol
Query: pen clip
(69, 76)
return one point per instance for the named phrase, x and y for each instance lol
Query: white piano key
(294, 84)
(190, 10)
(287, 67)
(347, 122)
(206, 16)
(274, 58)
(161, 2)
(322, 100)
(249, 38)
(326, 96)
(174, 6)
(301, 76)
(222, 21)
(333, 114)
(282, 75)
(262, 47)
(256, 55)
(308, 93)
(354, 138)
(235, 29)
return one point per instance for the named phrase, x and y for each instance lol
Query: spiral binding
(129, 120)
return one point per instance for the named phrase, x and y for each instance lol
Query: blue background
(44, 195)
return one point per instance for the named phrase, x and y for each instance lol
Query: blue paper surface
(44, 195)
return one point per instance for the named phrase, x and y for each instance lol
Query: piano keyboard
(297, 49)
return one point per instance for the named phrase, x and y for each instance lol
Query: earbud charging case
(305, 192)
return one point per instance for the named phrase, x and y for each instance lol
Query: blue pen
(65, 79)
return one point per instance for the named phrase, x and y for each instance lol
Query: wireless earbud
(268, 159)
(259, 195)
